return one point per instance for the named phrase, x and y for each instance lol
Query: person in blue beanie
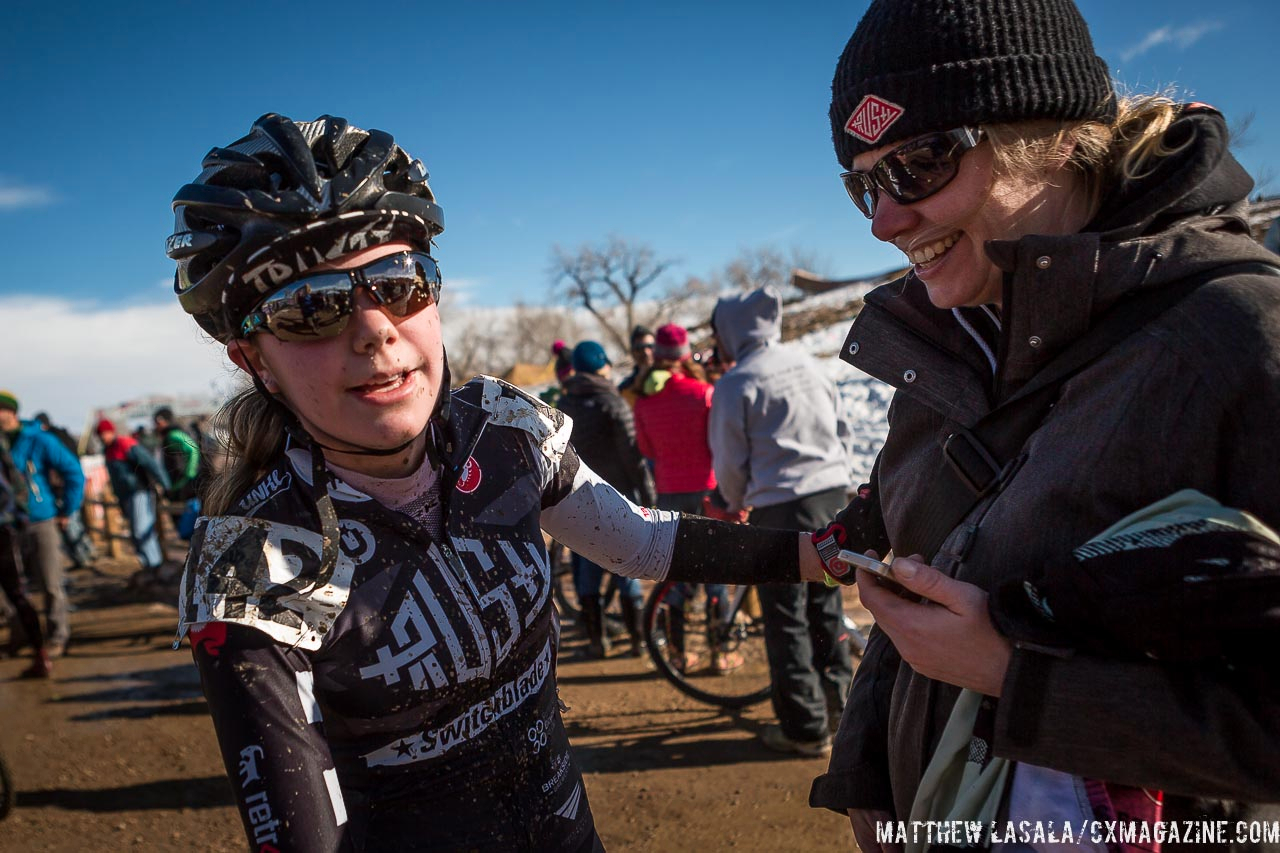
(604, 434)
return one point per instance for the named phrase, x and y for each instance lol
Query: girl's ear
(247, 357)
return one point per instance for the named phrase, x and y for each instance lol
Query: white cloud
(1181, 37)
(17, 197)
(70, 360)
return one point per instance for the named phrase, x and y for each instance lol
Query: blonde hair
(1105, 154)
(686, 367)
(254, 432)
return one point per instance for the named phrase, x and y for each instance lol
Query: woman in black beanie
(1086, 328)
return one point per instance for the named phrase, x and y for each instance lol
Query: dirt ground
(116, 751)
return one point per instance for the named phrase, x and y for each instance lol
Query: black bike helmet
(283, 199)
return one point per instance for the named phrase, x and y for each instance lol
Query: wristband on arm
(828, 543)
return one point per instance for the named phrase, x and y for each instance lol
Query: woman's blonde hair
(254, 431)
(1105, 154)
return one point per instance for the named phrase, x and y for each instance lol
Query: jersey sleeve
(595, 521)
(269, 730)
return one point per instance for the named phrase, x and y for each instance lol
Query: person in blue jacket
(37, 454)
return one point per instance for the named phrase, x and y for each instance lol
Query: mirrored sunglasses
(319, 305)
(913, 171)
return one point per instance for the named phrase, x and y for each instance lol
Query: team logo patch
(357, 541)
(470, 479)
(872, 118)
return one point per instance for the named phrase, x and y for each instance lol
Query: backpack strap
(976, 462)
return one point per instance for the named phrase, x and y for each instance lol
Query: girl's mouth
(385, 386)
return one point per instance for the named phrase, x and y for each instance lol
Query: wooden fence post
(108, 525)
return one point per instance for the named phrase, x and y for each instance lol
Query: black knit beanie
(917, 66)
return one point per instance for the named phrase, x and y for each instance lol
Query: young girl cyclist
(367, 600)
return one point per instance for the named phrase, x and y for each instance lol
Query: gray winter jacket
(773, 431)
(1191, 400)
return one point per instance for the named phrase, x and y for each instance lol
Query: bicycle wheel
(8, 794)
(685, 633)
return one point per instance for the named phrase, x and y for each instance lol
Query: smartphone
(862, 561)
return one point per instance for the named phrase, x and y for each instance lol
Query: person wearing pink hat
(671, 430)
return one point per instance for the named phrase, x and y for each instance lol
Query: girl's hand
(949, 637)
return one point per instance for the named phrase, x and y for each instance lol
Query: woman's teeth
(389, 385)
(925, 254)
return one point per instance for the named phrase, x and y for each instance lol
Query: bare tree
(610, 281)
(763, 267)
(473, 346)
(532, 329)
(493, 340)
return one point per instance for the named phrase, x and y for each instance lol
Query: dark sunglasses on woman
(319, 305)
(913, 171)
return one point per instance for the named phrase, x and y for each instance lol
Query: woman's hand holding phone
(940, 625)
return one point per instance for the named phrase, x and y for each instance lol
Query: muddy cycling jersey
(408, 701)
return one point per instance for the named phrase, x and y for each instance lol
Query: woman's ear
(248, 358)
(1063, 150)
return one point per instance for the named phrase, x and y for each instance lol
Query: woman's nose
(891, 218)
(372, 325)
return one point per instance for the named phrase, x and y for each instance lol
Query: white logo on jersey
(469, 626)
(357, 541)
(537, 736)
(569, 810)
(249, 765)
(434, 742)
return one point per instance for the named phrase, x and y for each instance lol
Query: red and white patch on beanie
(872, 118)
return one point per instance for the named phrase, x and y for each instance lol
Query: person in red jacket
(671, 422)
(671, 430)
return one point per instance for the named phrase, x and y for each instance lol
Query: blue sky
(699, 128)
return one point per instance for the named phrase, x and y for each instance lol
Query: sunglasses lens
(404, 284)
(917, 171)
(316, 307)
(911, 172)
(862, 191)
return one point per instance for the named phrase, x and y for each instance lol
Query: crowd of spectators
(42, 529)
